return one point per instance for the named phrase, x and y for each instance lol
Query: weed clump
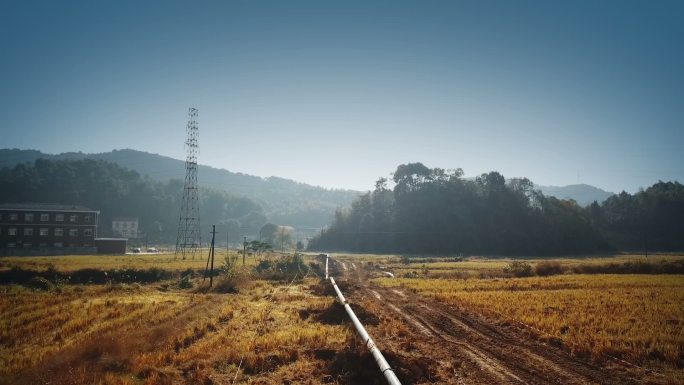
(546, 268)
(232, 277)
(633, 267)
(518, 269)
(287, 268)
(185, 282)
(40, 283)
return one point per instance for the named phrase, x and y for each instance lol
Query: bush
(286, 268)
(547, 268)
(518, 269)
(40, 283)
(635, 267)
(232, 279)
(185, 282)
(263, 266)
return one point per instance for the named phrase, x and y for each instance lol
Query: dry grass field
(167, 261)
(136, 335)
(268, 330)
(638, 318)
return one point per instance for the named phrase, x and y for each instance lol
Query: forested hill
(284, 201)
(119, 192)
(437, 211)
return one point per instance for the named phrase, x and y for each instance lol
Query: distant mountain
(284, 201)
(583, 194)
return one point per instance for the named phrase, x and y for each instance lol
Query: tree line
(432, 210)
(119, 192)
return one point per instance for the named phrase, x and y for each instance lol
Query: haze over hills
(583, 194)
(284, 201)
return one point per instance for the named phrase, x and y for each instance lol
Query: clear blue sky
(338, 94)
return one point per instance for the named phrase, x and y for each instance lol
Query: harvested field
(635, 317)
(289, 329)
(268, 332)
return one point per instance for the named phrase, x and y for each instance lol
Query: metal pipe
(326, 266)
(370, 344)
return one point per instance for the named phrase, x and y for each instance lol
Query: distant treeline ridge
(432, 210)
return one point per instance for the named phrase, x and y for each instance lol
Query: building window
(73, 232)
(44, 217)
(11, 245)
(12, 231)
(88, 232)
(28, 217)
(58, 244)
(73, 218)
(59, 217)
(14, 217)
(43, 232)
(28, 231)
(59, 232)
(88, 218)
(28, 245)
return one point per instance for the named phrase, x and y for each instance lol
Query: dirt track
(452, 346)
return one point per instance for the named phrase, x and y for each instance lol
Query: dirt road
(449, 345)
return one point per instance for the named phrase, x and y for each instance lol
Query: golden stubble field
(637, 318)
(268, 332)
(138, 335)
(292, 332)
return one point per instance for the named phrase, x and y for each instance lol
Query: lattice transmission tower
(189, 239)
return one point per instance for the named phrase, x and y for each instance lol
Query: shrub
(411, 274)
(286, 268)
(185, 282)
(518, 269)
(232, 279)
(263, 266)
(547, 268)
(40, 283)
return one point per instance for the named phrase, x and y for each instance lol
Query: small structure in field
(111, 245)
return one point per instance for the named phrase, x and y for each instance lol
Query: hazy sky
(338, 94)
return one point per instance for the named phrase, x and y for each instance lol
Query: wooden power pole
(244, 251)
(210, 258)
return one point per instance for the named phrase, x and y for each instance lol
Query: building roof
(44, 207)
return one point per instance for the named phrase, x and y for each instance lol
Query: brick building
(40, 228)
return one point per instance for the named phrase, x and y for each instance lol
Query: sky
(338, 94)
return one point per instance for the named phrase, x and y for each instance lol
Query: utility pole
(244, 251)
(210, 258)
(213, 237)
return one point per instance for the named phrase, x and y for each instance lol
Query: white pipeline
(370, 344)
